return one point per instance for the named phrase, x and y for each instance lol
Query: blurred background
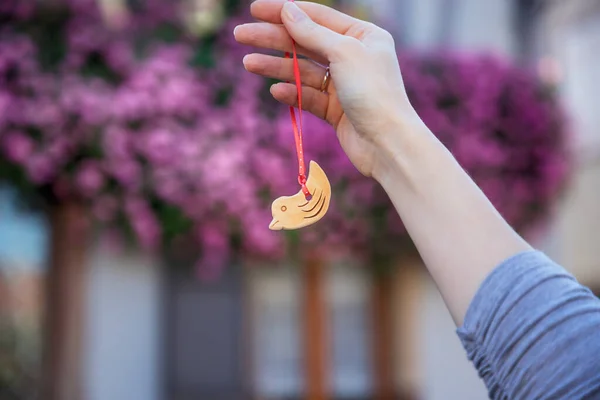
(138, 161)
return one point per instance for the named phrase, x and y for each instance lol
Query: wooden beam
(315, 331)
(408, 293)
(383, 340)
(65, 304)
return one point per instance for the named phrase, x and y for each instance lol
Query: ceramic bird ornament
(294, 212)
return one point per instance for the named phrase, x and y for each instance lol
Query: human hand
(366, 102)
(384, 138)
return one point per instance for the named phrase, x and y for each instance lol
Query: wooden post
(63, 330)
(315, 331)
(383, 340)
(408, 291)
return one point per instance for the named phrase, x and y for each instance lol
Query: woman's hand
(459, 234)
(365, 102)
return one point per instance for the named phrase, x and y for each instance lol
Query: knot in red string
(302, 182)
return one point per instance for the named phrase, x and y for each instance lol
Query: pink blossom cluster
(506, 128)
(154, 139)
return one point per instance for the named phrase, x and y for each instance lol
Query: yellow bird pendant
(294, 212)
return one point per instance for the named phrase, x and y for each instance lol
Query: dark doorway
(204, 337)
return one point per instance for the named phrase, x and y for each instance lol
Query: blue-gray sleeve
(533, 332)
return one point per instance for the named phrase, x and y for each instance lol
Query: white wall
(485, 25)
(570, 36)
(348, 297)
(447, 373)
(275, 295)
(573, 239)
(122, 338)
(469, 24)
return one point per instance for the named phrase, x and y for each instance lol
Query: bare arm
(457, 231)
(455, 228)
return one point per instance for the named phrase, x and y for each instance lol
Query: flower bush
(164, 134)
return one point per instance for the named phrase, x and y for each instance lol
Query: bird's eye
(283, 208)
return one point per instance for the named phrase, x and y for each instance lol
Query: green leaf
(232, 6)
(95, 66)
(14, 176)
(173, 221)
(223, 95)
(48, 31)
(204, 56)
(169, 33)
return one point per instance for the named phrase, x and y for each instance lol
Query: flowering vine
(166, 136)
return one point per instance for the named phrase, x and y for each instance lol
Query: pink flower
(116, 142)
(120, 56)
(157, 146)
(258, 239)
(5, 102)
(214, 236)
(40, 169)
(172, 191)
(144, 223)
(89, 179)
(18, 147)
(59, 148)
(126, 171)
(362, 191)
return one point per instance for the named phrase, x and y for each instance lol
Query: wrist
(399, 147)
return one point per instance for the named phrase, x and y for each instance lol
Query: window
(276, 318)
(348, 291)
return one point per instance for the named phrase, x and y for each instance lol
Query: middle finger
(270, 36)
(311, 73)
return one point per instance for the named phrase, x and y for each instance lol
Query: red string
(297, 124)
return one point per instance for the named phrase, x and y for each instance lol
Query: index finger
(270, 11)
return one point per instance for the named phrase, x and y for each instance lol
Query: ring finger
(311, 73)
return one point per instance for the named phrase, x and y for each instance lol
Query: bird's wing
(320, 189)
(317, 179)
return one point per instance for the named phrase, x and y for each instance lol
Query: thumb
(309, 34)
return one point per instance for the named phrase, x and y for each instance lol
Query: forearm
(459, 234)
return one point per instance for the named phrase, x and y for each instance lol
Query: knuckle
(350, 44)
(386, 36)
(370, 27)
(361, 30)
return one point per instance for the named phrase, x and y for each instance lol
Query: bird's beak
(273, 225)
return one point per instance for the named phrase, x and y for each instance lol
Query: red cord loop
(302, 182)
(297, 123)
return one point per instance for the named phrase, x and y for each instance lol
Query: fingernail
(235, 29)
(293, 12)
